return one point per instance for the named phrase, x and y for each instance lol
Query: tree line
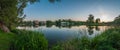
(12, 15)
(70, 22)
(11, 12)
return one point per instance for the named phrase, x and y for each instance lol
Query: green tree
(97, 20)
(11, 12)
(117, 20)
(58, 22)
(70, 21)
(8, 14)
(49, 23)
(90, 19)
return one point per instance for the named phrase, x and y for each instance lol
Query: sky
(77, 10)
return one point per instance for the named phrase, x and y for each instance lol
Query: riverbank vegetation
(5, 40)
(69, 22)
(108, 40)
(12, 15)
(29, 40)
(22, 40)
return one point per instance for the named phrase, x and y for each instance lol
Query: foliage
(11, 11)
(5, 40)
(108, 40)
(49, 23)
(26, 23)
(97, 20)
(8, 12)
(90, 19)
(29, 40)
(117, 20)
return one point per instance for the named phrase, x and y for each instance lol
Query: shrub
(29, 40)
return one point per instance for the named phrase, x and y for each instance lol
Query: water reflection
(64, 33)
(97, 28)
(90, 29)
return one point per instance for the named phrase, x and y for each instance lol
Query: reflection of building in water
(65, 23)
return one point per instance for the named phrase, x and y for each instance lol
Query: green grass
(29, 40)
(22, 40)
(5, 40)
(108, 40)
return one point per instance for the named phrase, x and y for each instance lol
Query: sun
(104, 14)
(104, 18)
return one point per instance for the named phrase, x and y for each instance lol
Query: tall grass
(5, 40)
(29, 40)
(108, 40)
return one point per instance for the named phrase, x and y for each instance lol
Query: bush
(29, 40)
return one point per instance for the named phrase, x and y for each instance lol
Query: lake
(60, 34)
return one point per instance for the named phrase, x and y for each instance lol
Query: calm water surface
(54, 34)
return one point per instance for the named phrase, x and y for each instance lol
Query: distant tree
(58, 22)
(69, 20)
(26, 23)
(49, 23)
(11, 12)
(90, 19)
(117, 20)
(97, 20)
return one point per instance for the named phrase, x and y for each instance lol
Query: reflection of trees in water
(90, 30)
(36, 26)
(49, 26)
(82, 32)
(58, 26)
(67, 26)
(97, 28)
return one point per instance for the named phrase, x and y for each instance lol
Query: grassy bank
(22, 40)
(30, 40)
(5, 40)
(108, 40)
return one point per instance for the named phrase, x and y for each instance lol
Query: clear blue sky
(106, 10)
